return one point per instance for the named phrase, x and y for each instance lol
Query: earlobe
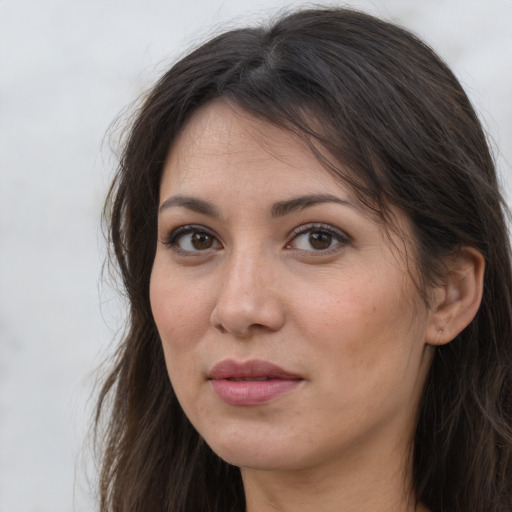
(457, 300)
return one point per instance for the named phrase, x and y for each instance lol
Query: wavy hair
(387, 108)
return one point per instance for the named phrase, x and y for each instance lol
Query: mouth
(252, 382)
(250, 379)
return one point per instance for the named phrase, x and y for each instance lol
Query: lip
(253, 382)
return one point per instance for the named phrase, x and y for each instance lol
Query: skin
(347, 319)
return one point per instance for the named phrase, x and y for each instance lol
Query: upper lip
(253, 369)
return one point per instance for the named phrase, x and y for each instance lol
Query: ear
(456, 301)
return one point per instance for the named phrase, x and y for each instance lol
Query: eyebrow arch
(191, 203)
(299, 203)
(279, 209)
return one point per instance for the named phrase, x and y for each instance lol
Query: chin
(269, 454)
(254, 453)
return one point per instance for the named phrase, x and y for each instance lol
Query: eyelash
(172, 241)
(337, 235)
(173, 238)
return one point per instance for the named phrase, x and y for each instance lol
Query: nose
(248, 301)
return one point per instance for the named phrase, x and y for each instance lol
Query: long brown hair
(392, 112)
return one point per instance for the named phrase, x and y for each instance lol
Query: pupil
(202, 241)
(320, 240)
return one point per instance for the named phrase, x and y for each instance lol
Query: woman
(310, 233)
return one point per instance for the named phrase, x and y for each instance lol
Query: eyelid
(342, 237)
(175, 234)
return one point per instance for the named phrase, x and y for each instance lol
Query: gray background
(67, 68)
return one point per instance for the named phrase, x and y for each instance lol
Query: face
(292, 331)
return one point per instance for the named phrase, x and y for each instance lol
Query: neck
(362, 484)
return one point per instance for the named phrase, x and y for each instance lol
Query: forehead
(223, 142)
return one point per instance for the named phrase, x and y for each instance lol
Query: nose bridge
(245, 268)
(247, 295)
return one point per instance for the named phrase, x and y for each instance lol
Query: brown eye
(192, 239)
(201, 241)
(320, 240)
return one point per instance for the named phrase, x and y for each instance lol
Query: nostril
(243, 322)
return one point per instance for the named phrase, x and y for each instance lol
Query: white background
(67, 68)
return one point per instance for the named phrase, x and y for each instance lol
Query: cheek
(180, 310)
(368, 353)
(367, 325)
(181, 316)
(176, 316)
(352, 309)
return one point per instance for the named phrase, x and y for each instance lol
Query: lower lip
(253, 392)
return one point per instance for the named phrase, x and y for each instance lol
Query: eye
(190, 239)
(317, 238)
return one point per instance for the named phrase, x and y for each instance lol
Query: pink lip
(251, 382)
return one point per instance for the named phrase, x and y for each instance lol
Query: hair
(391, 112)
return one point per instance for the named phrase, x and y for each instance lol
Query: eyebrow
(191, 203)
(279, 209)
(300, 203)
